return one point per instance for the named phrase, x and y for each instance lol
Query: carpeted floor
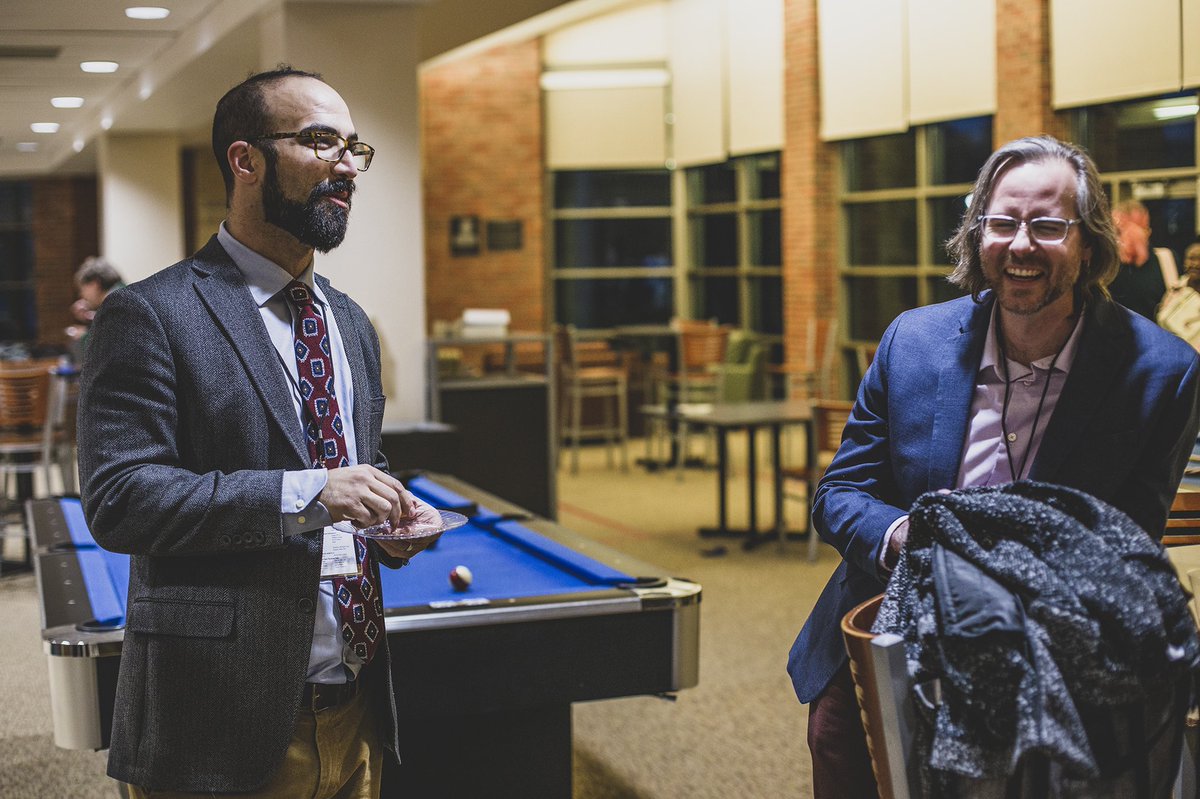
(740, 733)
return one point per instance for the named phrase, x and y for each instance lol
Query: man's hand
(365, 496)
(895, 545)
(420, 513)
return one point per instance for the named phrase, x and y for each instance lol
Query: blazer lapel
(223, 290)
(955, 389)
(1099, 361)
(353, 347)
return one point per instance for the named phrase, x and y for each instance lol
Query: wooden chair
(1183, 520)
(700, 348)
(829, 420)
(578, 382)
(881, 685)
(26, 438)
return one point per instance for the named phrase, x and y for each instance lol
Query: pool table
(550, 619)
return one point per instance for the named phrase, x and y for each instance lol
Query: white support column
(368, 52)
(141, 202)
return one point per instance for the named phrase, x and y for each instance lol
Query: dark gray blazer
(186, 425)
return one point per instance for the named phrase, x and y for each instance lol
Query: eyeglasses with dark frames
(328, 146)
(1042, 229)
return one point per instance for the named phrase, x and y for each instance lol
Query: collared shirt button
(299, 504)
(300, 519)
(1012, 437)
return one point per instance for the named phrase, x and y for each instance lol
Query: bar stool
(608, 384)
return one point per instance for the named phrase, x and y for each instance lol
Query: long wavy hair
(1091, 205)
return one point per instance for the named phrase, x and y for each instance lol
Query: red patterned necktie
(358, 597)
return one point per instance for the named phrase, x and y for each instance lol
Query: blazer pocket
(375, 417)
(180, 618)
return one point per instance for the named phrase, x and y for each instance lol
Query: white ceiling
(199, 51)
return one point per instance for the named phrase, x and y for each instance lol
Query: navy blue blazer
(1124, 425)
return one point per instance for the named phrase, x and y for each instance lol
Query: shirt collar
(264, 277)
(991, 351)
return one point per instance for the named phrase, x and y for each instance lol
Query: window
(902, 197)
(613, 253)
(1147, 150)
(735, 253)
(18, 301)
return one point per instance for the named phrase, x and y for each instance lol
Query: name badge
(337, 555)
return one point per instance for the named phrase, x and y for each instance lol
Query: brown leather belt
(320, 696)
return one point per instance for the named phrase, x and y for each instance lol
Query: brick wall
(481, 128)
(810, 212)
(65, 232)
(1023, 72)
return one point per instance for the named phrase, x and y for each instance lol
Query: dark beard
(314, 222)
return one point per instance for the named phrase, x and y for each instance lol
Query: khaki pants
(334, 754)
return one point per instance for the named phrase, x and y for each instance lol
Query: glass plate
(411, 531)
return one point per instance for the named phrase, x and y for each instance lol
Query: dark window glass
(765, 238)
(712, 184)
(882, 233)
(882, 162)
(941, 290)
(18, 315)
(763, 172)
(766, 305)
(612, 189)
(716, 298)
(1144, 134)
(715, 240)
(16, 255)
(945, 214)
(875, 302)
(614, 301)
(584, 243)
(16, 203)
(1172, 224)
(958, 149)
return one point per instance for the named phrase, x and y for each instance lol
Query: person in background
(96, 278)
(1037, 374)
(230, 415)
(1139, 284)
(1191, 265)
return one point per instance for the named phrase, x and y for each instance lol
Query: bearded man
(230, 413)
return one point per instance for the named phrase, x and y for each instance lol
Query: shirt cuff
(298, 503)
(887, 542)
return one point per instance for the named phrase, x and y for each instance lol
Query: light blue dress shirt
(330, 657)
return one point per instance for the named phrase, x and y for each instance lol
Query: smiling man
(1037, 375)
(230, 413)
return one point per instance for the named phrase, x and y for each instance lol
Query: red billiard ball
(460, 578)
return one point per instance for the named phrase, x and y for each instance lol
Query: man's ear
(241, 162)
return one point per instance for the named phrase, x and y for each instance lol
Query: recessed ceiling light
(106, 122)
(78, 145)
(147, 12)
(99, 66)
(27, 146)
(44, 127)
(66, 102)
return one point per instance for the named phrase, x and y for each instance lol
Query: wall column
(372, 63)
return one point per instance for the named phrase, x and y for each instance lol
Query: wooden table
(748, 416)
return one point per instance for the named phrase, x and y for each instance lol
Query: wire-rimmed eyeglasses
(328, 146)
(1042, 229)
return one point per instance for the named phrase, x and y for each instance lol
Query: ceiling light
(147, 12)
(44, 127)
(78, 145)
(99, 66)
(1176, 111)
(66, 102)
(27, 146)
(106, 122)
(604, 78)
